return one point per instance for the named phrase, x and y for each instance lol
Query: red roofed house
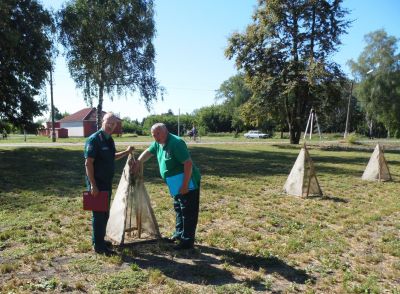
(83, 123)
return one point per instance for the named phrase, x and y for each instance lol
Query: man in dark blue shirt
(100, 154)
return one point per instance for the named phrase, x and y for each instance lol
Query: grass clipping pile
(131, 214)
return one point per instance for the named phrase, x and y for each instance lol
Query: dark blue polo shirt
(101, 147)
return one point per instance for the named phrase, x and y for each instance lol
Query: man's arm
(122, 154)
(146, 155)
(90, 173)
(187, 171)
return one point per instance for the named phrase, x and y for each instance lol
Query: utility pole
(179, 114)
(53, 133)
(346, 131)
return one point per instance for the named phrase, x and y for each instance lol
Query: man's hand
(130, 149)
(95, 191)
(184, 190)
(135, 167)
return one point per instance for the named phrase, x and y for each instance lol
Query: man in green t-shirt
(183, 180)
(100, 155)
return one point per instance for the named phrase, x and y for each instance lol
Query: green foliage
(131, 126)
(234, 93)
(7, 268)
(378, 71)
(186, 122)
(233, 289)
(135, 267)
(285, 53)
(25, 59)
(352, 138)
(370, 285)
(57, 114)
(109, 48)
(127, 280)
(214, 118)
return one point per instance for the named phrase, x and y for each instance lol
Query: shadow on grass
(50, 171)
(329, 198)
(249, 163)
(61, 172)
(206, 265)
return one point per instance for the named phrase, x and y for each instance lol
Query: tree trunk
(99, 116)
(294, 134)
(370, 126)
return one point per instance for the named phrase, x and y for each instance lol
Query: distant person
(100, 155)
(194, 132)
(183, 179)
(4, 134)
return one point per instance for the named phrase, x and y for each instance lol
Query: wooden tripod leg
(139, 223)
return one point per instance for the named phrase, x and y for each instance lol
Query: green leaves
(109, 47)
(378, 72)
(284, 55)
(25, 59)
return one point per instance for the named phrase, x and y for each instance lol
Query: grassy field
(228, 137)
(251, 237)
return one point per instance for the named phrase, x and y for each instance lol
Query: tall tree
(109, 48)
(214, 118)
(285, 56)
(378, 72)
(234, 93)
(25, 51)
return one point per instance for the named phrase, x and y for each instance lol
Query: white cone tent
(131, 209)
(377, 168)
(302, 180)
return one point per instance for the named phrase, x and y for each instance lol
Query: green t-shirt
(171, 157)
(101, 148)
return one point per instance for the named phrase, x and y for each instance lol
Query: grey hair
(159, 126)
(109, 114)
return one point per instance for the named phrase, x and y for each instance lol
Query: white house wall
(75, 129)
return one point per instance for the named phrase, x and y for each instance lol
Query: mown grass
(211, 137)
(251, 237)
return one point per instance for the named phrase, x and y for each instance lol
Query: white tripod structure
(311, 118)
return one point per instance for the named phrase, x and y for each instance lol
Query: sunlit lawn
(251, 237)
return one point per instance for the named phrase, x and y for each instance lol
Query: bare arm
(90, 173)
(187, 171)
(122, 154)
(146, 155)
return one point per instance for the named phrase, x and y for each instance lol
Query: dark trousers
(99, 224)
(187, 213)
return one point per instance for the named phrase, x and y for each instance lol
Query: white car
(255, 134)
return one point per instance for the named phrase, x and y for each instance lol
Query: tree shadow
(61, 172)
(246, 164)
(207, 265)
(328, 198)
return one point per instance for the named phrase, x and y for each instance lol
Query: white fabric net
(302, 180)
(377, 168)
(131, 210)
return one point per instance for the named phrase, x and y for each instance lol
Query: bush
(352, 138)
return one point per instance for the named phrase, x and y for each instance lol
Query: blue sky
(190, 42)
